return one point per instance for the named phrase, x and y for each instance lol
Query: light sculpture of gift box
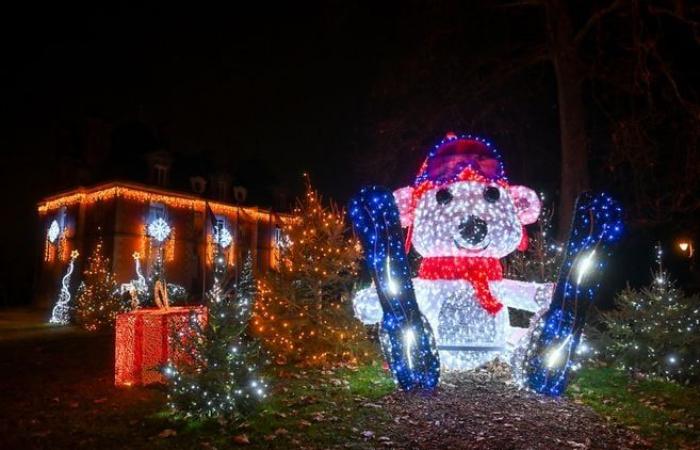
(144, 342)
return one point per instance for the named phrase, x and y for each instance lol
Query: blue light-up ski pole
(597, 224)
(406, 335)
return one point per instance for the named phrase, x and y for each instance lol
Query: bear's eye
(443, 197)
(492, 194)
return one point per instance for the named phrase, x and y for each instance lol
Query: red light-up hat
(462, 158)
(465, 158)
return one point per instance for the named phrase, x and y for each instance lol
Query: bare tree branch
(679, 16)
(520, 4)
(595, 18)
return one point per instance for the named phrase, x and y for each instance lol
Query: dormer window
(222, 188)
(198, 185)
(159, 163)
(161, 174)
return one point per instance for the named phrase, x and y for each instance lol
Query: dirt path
(478, 412)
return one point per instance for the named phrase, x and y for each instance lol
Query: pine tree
(216, 372)
(98, 301)
(304, 311)
(654, 330)
(542, 259)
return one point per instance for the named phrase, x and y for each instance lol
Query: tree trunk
(572, 128)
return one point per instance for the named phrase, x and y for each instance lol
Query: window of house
(161, 174)
(156, 211)
(223, 232)
(221, 222)
(277, 236)
(63, 217)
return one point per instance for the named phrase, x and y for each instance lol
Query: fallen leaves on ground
(241, 439)
(168, 432)
(478, 411)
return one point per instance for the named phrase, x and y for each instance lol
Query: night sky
(264, 93)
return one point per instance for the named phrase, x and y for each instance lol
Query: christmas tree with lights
(217, 371)
(655, 330)
(98, 301)
(304, 312)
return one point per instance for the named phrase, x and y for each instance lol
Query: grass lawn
(666, 414)
(307, 408)
(58, 392)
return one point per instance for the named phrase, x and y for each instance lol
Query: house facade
(119, 213)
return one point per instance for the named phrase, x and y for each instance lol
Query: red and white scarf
(478, 271)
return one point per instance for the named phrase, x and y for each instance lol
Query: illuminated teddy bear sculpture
(462, 216)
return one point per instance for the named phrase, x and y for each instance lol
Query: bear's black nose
(473, 230)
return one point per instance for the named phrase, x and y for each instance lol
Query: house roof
(142, 192)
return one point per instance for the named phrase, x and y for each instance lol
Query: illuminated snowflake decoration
(159, 229)
(54, 231)
(223, 237)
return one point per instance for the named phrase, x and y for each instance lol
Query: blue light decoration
(597, 224)
(406, 336)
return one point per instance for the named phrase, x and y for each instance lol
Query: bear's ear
(526, 202)
(404, 200)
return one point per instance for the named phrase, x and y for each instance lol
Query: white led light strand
(54, 231)
(462, 222)
(60, 314)
(159, 229)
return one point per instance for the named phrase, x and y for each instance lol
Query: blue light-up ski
(597, 224)
(407, 338)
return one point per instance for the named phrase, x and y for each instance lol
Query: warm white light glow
(683, 246)
(409, 340)
(392, 285)
(556, 356)
(584, 265)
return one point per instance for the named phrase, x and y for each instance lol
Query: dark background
(351, 92)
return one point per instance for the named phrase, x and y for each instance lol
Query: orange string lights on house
(63, 247)
(143, 194)
(49, 251)
(169, 250)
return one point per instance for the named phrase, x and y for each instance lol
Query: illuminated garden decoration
(159, 293)
(159, 229)
(462, 217)
(98, 301)
(547, 358)
(137, 288)
(304, 313)
(223, 237)
(218, 375)
(54, 231)
(654, 330)
(406, 337)
(60, 314)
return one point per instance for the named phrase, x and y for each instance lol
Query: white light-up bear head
(462, 205)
